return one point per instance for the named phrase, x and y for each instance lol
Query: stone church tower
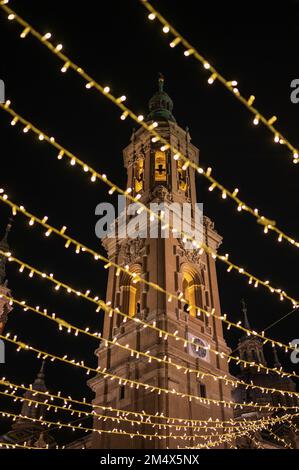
(158, 177)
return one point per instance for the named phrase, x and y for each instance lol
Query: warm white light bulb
(47, 36)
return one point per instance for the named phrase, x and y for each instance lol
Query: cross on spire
(244, 310)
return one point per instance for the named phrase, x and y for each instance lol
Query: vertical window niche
(139, 175)
(134, 300)
(182, 175)
(192, 289)
(160, 166)
(122, 392)
(202, 391)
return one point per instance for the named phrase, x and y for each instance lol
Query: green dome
(160, 105)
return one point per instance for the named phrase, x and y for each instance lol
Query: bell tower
(156, 175)
(5, 307)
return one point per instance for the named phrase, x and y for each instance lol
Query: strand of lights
(280, 440)
(74, 427)
(70, 328)
(7, 445)
(256, 443)
(73, 158)
(255, 281)
(124, 413)
(230, 85)
(101, 304)
(137, 384)
(246, 432)
(269, 225)
(250, 425)
(80, 248)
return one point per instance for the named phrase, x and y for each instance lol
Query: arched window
(131, 292)
(253, 354)
(134, 301)
(192, 289)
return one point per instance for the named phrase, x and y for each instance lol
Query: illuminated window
(182, 176)
(130, 293)
(139, 172)
(134, 299)
(160, 166)
(192, 291)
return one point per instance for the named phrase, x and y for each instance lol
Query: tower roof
(30, 409)
(4, 246)
(160, 104)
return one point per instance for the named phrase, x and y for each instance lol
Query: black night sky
(114, 42)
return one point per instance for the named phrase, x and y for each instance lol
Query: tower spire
(161, 82)
(4, 246)
(30, 409)
(244, 310)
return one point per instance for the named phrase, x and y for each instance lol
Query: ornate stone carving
(162, 194)
(193, 255)
(133, 249)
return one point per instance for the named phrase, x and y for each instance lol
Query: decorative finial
(42, 369)
(161, 81)
(160, 104)
(7, 230)
(244, 310)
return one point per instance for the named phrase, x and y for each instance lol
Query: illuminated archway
(192, 288)
(131, 291)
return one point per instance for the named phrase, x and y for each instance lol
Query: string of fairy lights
(279, 439)
(122, 415)
(80, 248)
(75, 330)
(249, 434)
(74, 427)
(144, 417)
(269, 225)
(106, 306)
(150, 388)
(215, 75)
(253, 280)
(249, 425)
(8, 445)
